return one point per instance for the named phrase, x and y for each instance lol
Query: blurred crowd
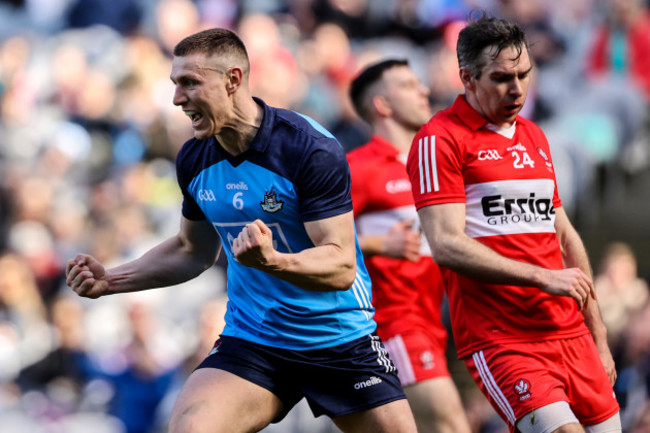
(88, 139)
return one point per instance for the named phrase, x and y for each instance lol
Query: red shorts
(518, 378)
(418, 355)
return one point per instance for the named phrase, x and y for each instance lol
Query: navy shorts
(336, 381)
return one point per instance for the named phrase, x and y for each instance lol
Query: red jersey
(405, 294)
(505, 178)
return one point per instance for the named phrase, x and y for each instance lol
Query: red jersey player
(522, 302)
(407, 286)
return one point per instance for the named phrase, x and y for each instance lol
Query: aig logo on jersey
(206, 195)
(271, 204)
(489, 155)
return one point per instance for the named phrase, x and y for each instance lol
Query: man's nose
(179, 96)
(517, 87)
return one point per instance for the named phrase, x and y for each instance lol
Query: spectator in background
(143, 371)
(121, 15)
(274, 72)
(67, 365)
(23, 315)
(621, 44)
(633, 386)
(620, 290)
(407, 287)
(337, 62)
(642, 423)
(175, 19)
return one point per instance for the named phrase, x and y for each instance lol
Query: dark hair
(213, 41)
(364, 80)
(487, 32)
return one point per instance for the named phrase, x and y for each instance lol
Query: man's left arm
(574, 254)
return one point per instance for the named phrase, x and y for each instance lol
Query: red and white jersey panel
(506, 180)
(405, 294)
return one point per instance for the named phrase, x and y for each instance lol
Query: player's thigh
(216, 401)
(610, 425)
(436, 402)
(393, 417)
(552, 418)
(570, 428)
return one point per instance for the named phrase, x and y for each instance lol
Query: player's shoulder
(444, 123)
(299, 140)
(298, 127)
(529, 125)
(191, 159)
(295, 144)
(192, 152)
(363, 162)
(361, 154)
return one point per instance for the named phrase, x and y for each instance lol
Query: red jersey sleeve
(435, 166)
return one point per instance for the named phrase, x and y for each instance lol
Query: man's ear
(467, 78)
(234, 77)
(381, 106)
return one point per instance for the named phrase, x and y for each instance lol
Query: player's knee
(553, 418)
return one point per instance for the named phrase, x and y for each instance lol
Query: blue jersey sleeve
(184, 173)
(325, 182)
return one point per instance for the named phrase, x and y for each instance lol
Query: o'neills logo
(505, 210)
(240, 185)
(374, 380)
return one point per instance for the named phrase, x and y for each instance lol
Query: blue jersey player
(272, 188)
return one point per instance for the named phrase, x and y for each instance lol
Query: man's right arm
(444, 227)
(400, 242)
(178, 259)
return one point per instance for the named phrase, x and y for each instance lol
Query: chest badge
(543, 154)
(271, 204)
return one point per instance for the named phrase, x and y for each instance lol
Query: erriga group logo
(506, 210)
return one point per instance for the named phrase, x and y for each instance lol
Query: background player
(273, 186)
(407, 286)
(524, 313)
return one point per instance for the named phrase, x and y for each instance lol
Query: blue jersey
(294, 171)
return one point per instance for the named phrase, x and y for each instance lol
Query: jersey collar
(472, 118)
(383, 147)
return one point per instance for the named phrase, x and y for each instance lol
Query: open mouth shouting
(194, 116)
